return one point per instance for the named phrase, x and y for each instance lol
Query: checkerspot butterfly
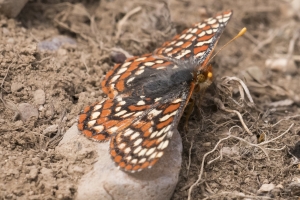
(147, 95)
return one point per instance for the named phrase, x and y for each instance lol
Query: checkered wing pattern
(147, 96)
(197, 41)
(122, 78)
(139, 128)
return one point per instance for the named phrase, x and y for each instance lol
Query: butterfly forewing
(197, 41)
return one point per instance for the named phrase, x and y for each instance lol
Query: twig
(222, 107)
(226, 138)
(202, 166)
(190, 152)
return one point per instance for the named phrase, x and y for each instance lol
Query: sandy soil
(56, 84)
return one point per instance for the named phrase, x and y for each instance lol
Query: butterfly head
(204, 75)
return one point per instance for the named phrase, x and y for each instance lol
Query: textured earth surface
(55, 54)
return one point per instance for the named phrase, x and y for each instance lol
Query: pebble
(50, 129)
(55, 43)
(27, 111)
(266, 188)
(39, 97)
(11, 8)
(32, 173)
(109, 182)
(16, 87)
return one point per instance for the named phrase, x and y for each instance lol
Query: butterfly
(148, 94)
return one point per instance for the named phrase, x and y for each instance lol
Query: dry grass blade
(124, 19)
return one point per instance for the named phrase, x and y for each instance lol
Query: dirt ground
(56, 82)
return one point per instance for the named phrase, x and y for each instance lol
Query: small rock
(29, 49)
(230, 151)
(283, 64)
(32, 173)
(109, 182)
(286, 102)
(27, 111)
(206, 144)
(18, 123)
(16, 87)
(39, 97)
(117, 57)
(11, 8)
(266, 188)
(55, 43)
(50, 129)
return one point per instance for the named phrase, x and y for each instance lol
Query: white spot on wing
(150, 151)
(201, 34)
(141, 103)
(97, 107)
(168, 49)
(157, 99)
(127, 115)
(212, 21)
(188, 36)
(91, 123)
(225, 19)
(142, 160)
(163, 145)
(182, 36)
(177, 100)
(149, 64)
(202, 25)
(209, 31)
(139, 72)
(94, 115)
(137, 142)
(137, 150)
(99, 128)
(153, 134)
(161, 132)
(128, 132)
(121, 146)
(140, 59)
(142, 152)
(179, 43)
(159, 154)
(126, 64)
(127, 150)
(121, 113)
(122, 70)
(113, 129)
(194, 30)
(135, 135)
(134, 161)
(129, 80)
(138, 113)
(159, 61)
(152, 156)
(122, 103)
(114, 78)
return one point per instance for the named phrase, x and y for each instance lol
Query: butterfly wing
(120, 78)
(197, 41)
(143, 142)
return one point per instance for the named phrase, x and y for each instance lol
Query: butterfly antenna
(237, 36)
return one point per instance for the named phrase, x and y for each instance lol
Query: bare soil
(266, 58)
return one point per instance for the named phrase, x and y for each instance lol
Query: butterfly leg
(189, 110)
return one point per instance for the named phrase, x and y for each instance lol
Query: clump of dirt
(234, 148)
